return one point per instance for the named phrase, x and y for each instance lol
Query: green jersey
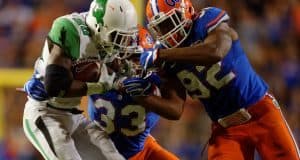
(71, 33)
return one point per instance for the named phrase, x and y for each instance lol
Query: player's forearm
(200, 54)
(216, 45)
(77, 89)
(169, 109)
(59, 82)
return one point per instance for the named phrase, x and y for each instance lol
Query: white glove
(107, 78)
(105, 82)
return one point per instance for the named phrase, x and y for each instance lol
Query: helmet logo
(99, 10)
(172, 2)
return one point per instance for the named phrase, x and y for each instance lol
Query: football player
(52, 120)
(126, 121)
(205, 54)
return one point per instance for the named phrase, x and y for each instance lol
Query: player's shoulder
(210, 17)
(211, 10)
(207, 20)
(211, 13)
(67, 32)
(72, 23)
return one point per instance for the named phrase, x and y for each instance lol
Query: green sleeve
(64, 34)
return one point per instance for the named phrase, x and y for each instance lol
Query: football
(86, 70)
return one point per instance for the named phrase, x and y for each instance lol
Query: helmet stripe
(154, 7)
(216, 20)
(99, 10)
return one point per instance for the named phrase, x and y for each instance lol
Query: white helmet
(114, 24)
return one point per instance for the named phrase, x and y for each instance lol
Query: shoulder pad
(65, 34)
(208, 19)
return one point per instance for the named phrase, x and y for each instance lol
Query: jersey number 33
(137, 122)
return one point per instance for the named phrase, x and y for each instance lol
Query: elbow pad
(57, 80)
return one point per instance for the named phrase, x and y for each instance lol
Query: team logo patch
(149, 39)
(172, 2)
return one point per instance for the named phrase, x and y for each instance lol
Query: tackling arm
(58, 79)
(170, 104)
(213, 49)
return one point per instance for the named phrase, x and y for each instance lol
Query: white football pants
(60, 135)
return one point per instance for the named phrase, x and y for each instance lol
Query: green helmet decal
(99, 10)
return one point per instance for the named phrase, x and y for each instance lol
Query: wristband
(95, 88)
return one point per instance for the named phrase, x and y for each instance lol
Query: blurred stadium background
(269, 29)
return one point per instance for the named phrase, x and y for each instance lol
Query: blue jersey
(127, 123)
(226, 86)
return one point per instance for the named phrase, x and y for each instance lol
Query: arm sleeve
(64, 34)
(208, 20)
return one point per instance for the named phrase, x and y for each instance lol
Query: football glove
(138, 86)
(35, 89)
(153, 78)
(106, 82)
